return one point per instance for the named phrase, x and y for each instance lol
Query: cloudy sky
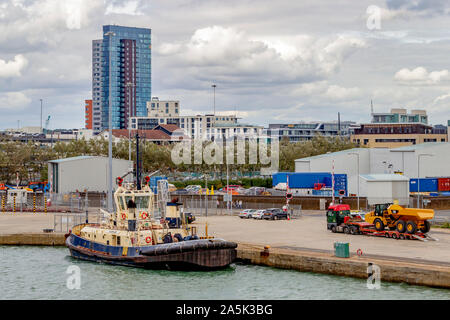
(272, 61)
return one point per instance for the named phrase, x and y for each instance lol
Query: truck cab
(336, 216)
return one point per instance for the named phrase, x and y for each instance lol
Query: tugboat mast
(138, 171)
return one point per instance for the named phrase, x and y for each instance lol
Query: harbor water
(41, 273)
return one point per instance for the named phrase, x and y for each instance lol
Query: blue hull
(187, 255)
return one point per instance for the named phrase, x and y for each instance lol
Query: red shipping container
(444, 184)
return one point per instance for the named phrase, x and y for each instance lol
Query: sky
(272, 61)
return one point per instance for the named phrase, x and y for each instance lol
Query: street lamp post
(418, 176)
(41, 115)
(129, 85)
(357, 154)
(214, 87)
(110, 34)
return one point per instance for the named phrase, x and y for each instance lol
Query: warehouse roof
(330, 154)
(79, 158)
(384, 177)
(71, 159)
(421, 146)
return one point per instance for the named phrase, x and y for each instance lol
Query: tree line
(28, 161)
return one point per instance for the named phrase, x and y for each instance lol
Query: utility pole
(418, 176)
(110, 34)
(41, 115)
(214, 87)
(129, 85)
(357, 154)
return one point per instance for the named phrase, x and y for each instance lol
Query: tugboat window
(142, 202)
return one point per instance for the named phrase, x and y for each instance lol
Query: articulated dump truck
(396, 217)
(386, 220)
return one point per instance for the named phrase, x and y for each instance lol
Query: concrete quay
(302, 244)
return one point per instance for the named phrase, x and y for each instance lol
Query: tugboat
(134, 236)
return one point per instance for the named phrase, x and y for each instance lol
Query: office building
(125, 53)
(88, 114)
(163, 108)
(304, 131)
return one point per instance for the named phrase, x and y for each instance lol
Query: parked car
(258, 214)
(193, 186)
(247, 213)
(231, 187)
(275, 214)
(181, 191)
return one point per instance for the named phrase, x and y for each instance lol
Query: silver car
(258, 214)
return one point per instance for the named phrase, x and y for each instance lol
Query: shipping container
(444, 184)
(308, 180)
(154, 183)
(426, 185)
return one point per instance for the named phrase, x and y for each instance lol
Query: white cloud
(232, 56)
(14, 67)
(420, 76)
(13, 101)
(130, 7)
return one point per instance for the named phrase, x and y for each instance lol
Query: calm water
(40, 273)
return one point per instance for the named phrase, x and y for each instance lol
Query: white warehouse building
(422, 160)
(84, 173)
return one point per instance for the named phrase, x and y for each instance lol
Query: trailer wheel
(379, 225)
(353, 230)
(411, 227)
(394, 236)
(426, 226)
(401, 226)
(346, 230)
(333, 229)
(387, 235)
(401, 236)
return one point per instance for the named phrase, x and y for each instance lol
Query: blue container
(426, 185)
(154, 183)
(307, 180)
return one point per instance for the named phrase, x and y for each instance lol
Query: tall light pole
(129, 85)
(357, 154)
(214, 87)
(110, 34)
(41, 115)
(418, 175)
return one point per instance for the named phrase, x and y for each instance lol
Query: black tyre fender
(411, 227)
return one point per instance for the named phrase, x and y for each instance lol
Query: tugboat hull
(186, 255)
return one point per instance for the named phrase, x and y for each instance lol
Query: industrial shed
(84, 172)
(385, 188)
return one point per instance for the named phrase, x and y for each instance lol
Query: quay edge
(305, 260)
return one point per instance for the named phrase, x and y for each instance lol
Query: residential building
(400, 115)
(88, 114)
(97, 85)
(162, 134)
(394, 135)
(163, 108)
(125, 54)
(207, 126)
(304, 131)
(396, 129)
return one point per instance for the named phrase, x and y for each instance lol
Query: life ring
(124, 216)
(144, 215)
(148, 239)
(359, 252)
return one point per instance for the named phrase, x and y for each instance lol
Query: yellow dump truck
(396, 217)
